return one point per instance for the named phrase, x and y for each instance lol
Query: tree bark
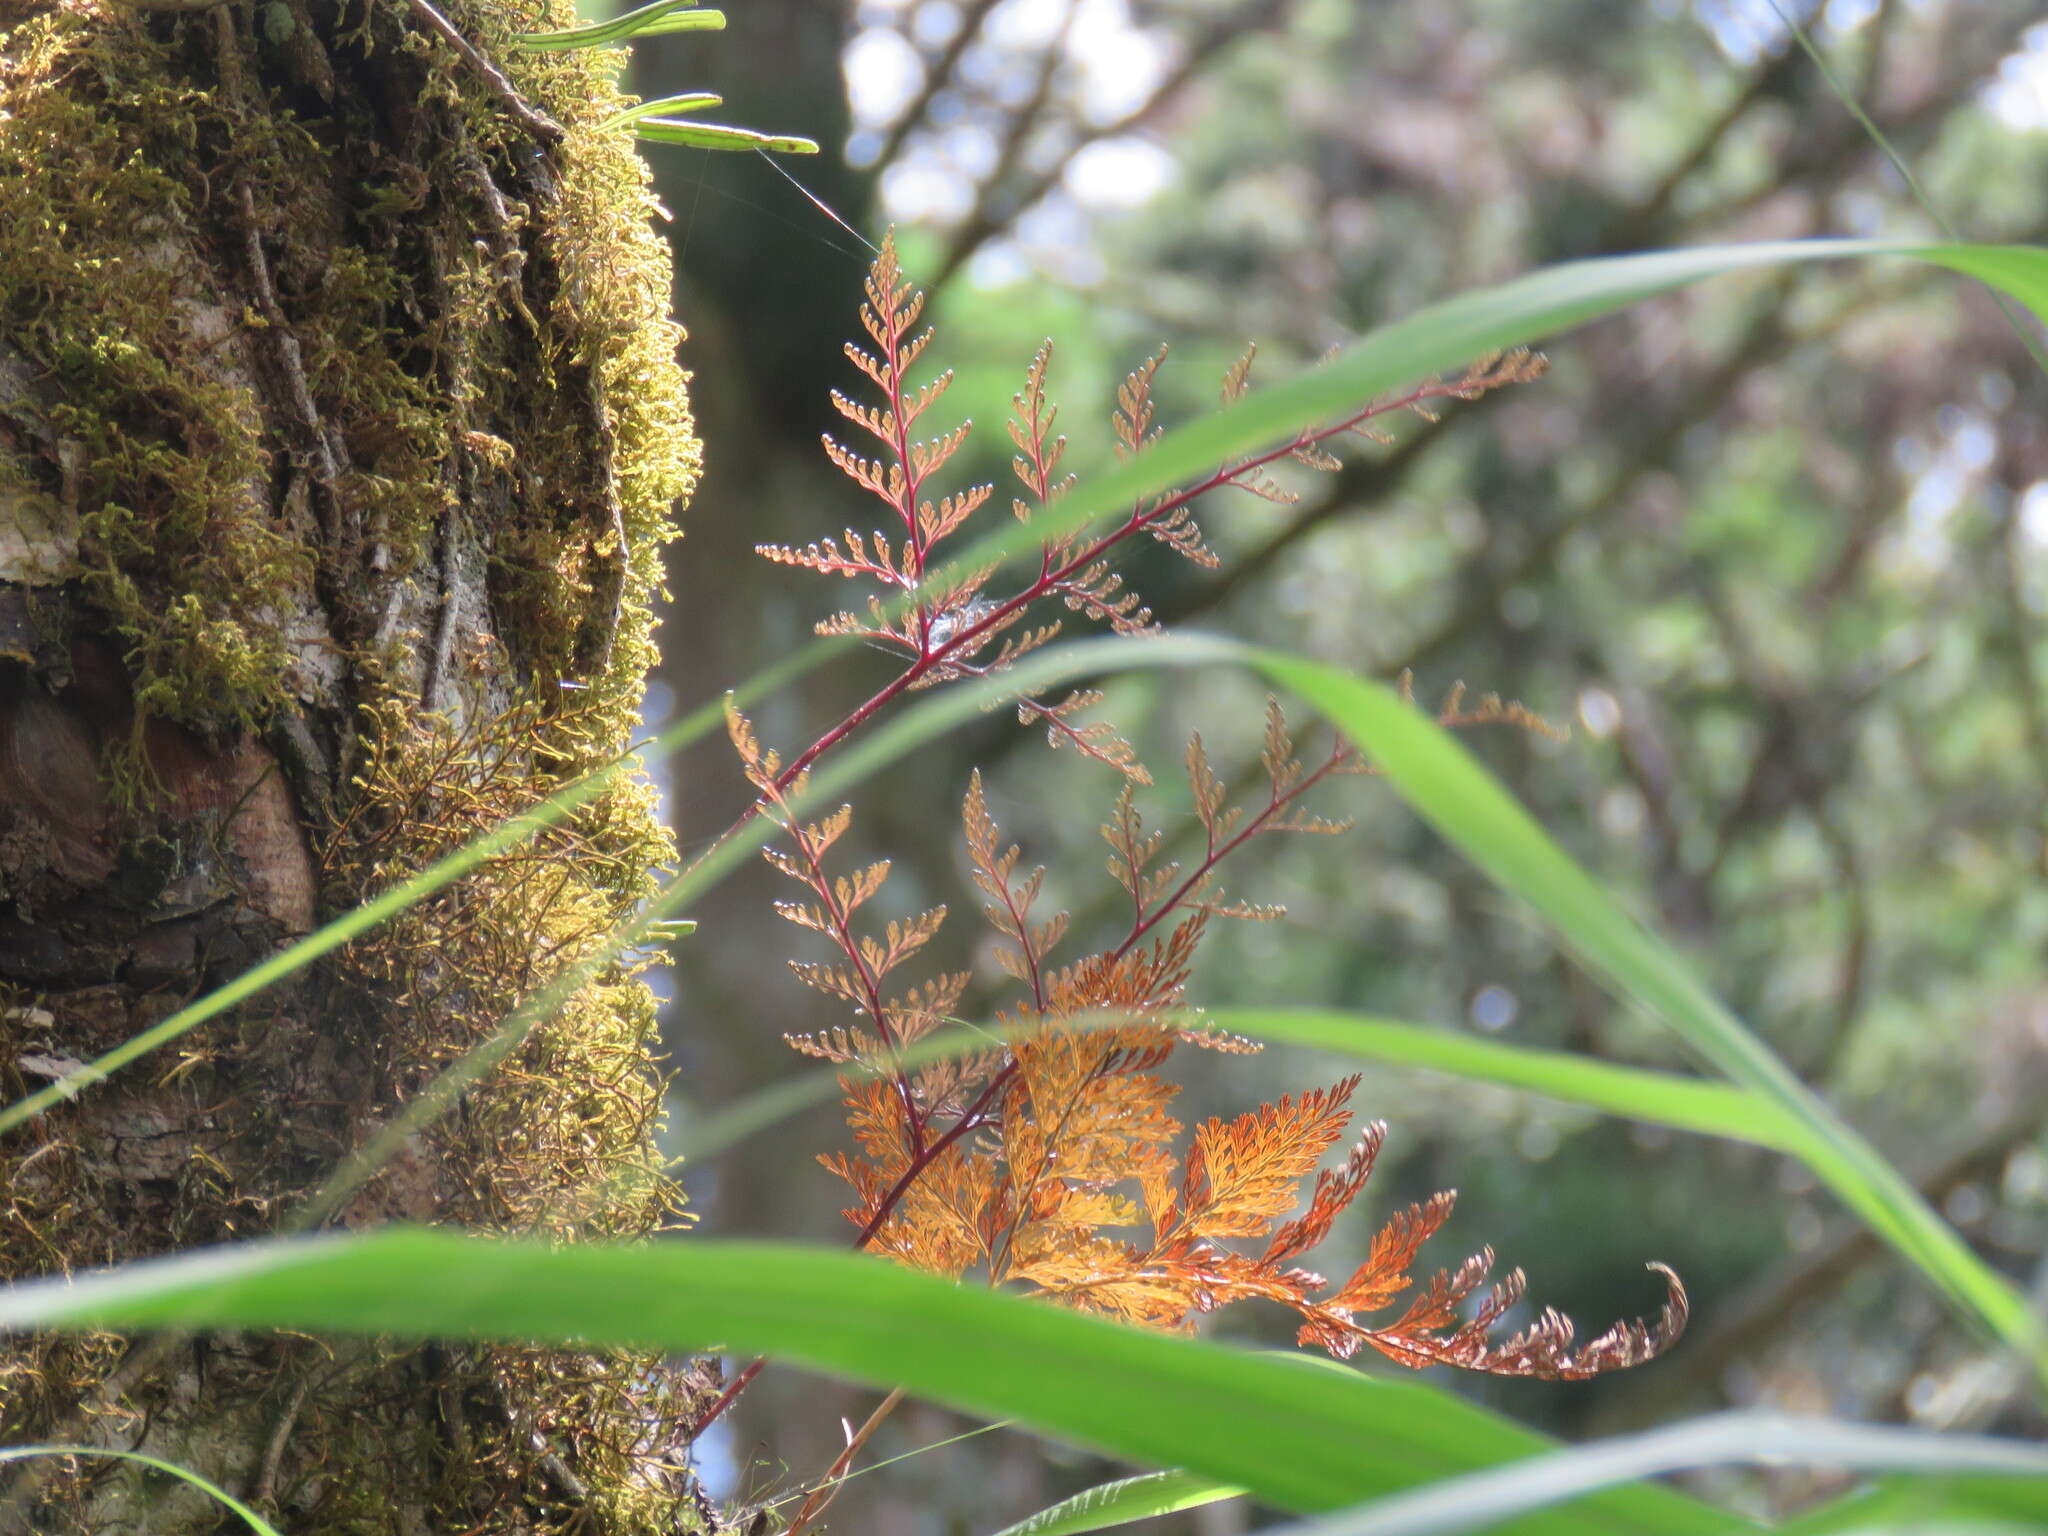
(340, 429)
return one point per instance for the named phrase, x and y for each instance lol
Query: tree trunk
(339, 431)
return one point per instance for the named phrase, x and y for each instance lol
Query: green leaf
(674, 130)
(1451, 791)
(1658, 1098)
(1121, 1502)
(1483, 1500)
(656, 20)
(1449, 334)
(696, 102)
(1297, 1436)
(248, 1516)
(1915, 1504)
(1441, 337)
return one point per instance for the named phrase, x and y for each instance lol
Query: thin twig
(828, 1486)
(529, 117)
(263, 1491)
(325, 459)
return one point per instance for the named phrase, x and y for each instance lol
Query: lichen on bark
(340, 425)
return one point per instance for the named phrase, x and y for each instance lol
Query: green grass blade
(695, 102)
(672, 130)
(437, 876)
(1454, 794)
(1121, 1502)
(241, 1511)
(656, 20)
(1440, 337)
(1448, 335)
(1922, 1503)
(1657, 1098)
(1486, 1500)
(1297, 1436)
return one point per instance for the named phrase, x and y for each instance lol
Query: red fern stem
(870, 983)
(1216, 855)
(962, 641)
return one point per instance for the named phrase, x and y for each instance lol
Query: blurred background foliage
(1776, 551)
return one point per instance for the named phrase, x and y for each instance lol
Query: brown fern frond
(934, 523)
(925, 1006)
(1222, 1041)
(841, 1044)
(1097, 739)
(851, 890)
(1098, 592)
(1237, 377)
(1022, 645)
(900, 940)
(1132, 420)
(1335, 1189)
(1179, 532)
(1267, 489)
(1050, 1138)
(1498, 370)
(1241, 1174)
(1316, 457)
(824, 556)
(1218, 820)
(1494, 710)
(893, 304)
(877, 422)
(803, 914)
(1132, 850)
(832, 980)
(1037, 460)
(759, 764)
(929, 455)
(1048, 1158)
(1246, 911)
(868, 364)
(1276, 752)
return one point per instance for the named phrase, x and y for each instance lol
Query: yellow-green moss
(117, 150)
(542, 392)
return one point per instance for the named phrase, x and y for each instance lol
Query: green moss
(117, 157)
(483, 341)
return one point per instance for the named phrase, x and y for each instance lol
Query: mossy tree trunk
(340, 429)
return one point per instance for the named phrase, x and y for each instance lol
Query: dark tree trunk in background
(339, 427)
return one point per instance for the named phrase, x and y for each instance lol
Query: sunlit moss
(514, 362)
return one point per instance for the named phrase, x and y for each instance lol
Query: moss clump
(459, 348)
(368, 418)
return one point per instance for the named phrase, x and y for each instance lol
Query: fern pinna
(1048, 1161)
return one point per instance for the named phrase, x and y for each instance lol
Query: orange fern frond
(1049, 1157)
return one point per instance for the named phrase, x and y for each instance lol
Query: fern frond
(824, 556)
(1132, 420)
(1037, 461)
(1241, 1174)
(1316, 457)
(1494, 710)
(841, 1045)
(925, 1006)
(934, 523)
(1098, 592)
(877, 423)
(1023, 1160)
(1237, 377)
(1179, 532)
(1098, 739)
(832, 980)
(760, 765)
